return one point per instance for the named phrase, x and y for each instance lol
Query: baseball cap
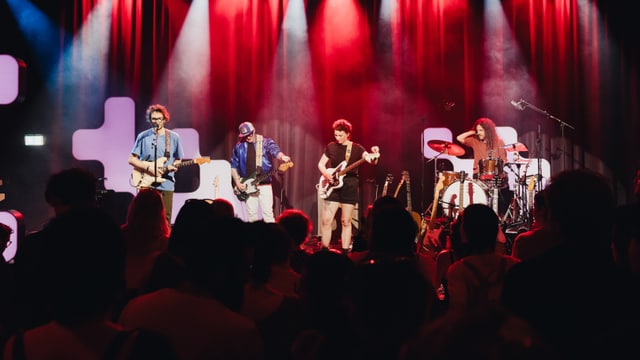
(246, 129)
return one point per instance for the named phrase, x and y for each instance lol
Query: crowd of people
(213, 286)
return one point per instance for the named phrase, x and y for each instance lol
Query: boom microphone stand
(523, 104)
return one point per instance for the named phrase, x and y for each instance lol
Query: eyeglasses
(157, 118)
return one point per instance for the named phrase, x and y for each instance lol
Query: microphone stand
(282, 207)
(435, 173)
(562, 126)
(155, 156)
(422, 119)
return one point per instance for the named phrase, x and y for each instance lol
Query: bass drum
(472, 193)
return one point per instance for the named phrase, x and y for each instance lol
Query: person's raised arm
(465, 135)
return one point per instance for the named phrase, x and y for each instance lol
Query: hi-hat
(515, 147)
(446, 147)
(519, 162)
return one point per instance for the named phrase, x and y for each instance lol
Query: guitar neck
(186, 163)
(409, 197)
(434, 207)
(461, 195)
(351, 167)
(181, 164)
(395, 194)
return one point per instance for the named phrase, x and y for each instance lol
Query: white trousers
(264, 202)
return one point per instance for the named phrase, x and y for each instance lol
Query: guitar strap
(259, 151)
(347, 155)
(167, 143)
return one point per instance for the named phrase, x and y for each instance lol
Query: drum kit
(460, 190)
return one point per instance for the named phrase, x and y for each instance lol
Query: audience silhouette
(214, 286)
(69, 189)
(572, 295)
(200, 315)
(146, 234)
(299, 226)
(83, 262)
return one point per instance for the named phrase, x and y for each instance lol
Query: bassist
(254, 155)
(344, 193)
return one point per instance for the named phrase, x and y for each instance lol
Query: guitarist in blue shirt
(156, 155)
(338, 185)
(252, 164)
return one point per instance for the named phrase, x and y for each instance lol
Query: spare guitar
(416, 217)
(530, 199)
(141, 179)
(252, 181)
(387, 182)
(326, 186)
(461, 204)
(431, 242)
(395, 193)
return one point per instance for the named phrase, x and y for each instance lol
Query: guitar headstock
(373, 157)
(202, 160)
(532, 183)
(285, 166)
(389, 179)
(405, 176)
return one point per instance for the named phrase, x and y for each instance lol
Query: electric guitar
(431, 234)
(416, 217)
(252, 181)
(141, 179)
(326, 186)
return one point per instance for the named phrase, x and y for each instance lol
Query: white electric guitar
(326, 186)
(141, 179)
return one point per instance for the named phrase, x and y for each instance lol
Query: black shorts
(348, 193)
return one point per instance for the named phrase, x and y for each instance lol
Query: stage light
(33, 140)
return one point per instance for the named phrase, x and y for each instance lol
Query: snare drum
(449, 177)
(472, 193)
(488, 169)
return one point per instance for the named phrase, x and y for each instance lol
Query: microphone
(518, 104)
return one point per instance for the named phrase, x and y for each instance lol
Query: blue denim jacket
(270, 151)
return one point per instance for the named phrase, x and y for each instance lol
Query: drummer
(485, 142)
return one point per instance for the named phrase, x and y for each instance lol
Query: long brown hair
(146, 229)
(491, 136)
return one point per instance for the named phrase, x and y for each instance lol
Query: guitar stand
(517, 213)
(495, 193)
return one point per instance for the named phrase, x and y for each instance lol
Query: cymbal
(446, 147)
(515, 147)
